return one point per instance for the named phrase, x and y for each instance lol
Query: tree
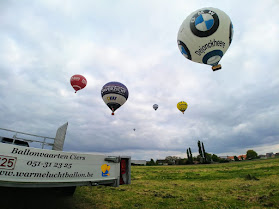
(235, 158)
(208, 157)
(181, 161)
(171, 159)
(200, 151)
(215, 158)
(251, 154)
(151, 162)
(199, 159)
(191, 156)
(204, 154)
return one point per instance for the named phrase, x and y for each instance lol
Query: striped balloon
(114, 94)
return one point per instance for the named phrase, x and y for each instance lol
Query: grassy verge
(247, 184)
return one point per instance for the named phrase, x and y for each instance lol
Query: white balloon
(205, 36)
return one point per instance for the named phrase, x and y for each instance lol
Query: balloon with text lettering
(205, 36)
(114, 94)
(155, 107)
(182, 106)
(78, 82)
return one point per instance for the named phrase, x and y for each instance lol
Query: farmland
(247, 184)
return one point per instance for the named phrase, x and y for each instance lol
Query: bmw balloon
(205, 36)
(114, 94)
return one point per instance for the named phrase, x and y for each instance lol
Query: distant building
(262, 156)
(270, 154)
(138, 162)
(242, 157)
(230, 158)
(162, 162)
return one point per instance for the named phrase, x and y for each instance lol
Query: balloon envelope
(182, 106)
(205, 35)
(78, 82)
(114, 94)
(155, 106)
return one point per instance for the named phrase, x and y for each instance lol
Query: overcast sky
(44, 42)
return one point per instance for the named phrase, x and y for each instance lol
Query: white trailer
(23, 166)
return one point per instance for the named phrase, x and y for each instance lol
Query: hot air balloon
(134, 129)
(155, 106)
(114, 94)
(78, 82)
(182, 106)
(205, 35)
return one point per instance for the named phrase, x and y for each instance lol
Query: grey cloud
(44, 43)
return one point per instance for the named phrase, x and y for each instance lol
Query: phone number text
(48, 164)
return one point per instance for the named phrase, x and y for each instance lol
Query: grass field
(247, 184)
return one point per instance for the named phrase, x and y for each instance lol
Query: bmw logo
(184, 50)
(204, 23)
(213, 57)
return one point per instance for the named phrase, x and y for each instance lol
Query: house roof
(244, 156)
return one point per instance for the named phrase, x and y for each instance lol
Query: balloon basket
(112, 113)
(216, 67)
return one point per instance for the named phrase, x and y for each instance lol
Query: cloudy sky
(44, 42)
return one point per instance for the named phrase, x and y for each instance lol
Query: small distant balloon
(205, 36)
(78, 82)
(114, 94)
(134, 129)
(182, 106)
(155, 107)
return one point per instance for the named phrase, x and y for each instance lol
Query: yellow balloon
(182, 106)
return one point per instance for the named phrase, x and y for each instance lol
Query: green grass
(192, 186)
(247, 184)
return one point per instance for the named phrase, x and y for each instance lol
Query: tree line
(202, 158)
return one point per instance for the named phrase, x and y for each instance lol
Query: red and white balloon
(78, 82)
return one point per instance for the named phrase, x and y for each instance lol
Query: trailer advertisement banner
(25, 164)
